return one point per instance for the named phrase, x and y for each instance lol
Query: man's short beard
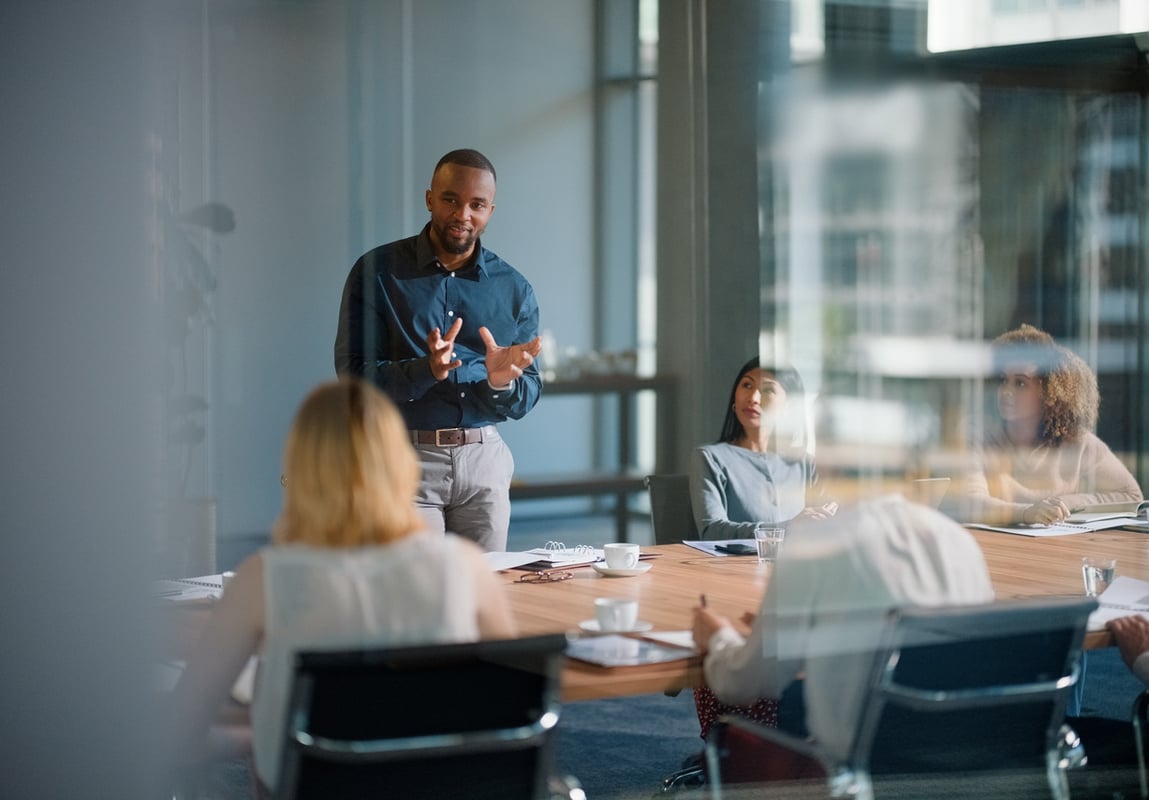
(458, 249)
(447, 242)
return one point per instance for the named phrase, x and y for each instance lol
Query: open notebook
(1133, 511)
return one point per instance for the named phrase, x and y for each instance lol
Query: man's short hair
(467, 158)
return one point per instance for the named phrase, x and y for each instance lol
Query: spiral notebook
(556, 555)
(203, 587)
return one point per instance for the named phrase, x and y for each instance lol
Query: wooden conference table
(1019, 566)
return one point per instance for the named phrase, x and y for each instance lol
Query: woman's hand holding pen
(1049, 511)
(706, 623)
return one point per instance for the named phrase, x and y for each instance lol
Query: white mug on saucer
(620, 555)
(616, 613)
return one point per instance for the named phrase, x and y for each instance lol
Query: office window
(963, 24)
(920, 218)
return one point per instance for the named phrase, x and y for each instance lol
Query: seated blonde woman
(351, 565)
(1042, 460)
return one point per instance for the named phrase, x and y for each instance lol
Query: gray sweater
(732, 488)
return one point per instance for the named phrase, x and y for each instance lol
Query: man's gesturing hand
(504, 364)
(442, 350)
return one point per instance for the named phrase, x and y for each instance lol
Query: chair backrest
(471, 720)
(971, 688)
(671, 515)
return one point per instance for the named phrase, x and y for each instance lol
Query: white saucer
(602, 569)
(591, 626)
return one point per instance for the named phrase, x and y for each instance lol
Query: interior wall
(709, 264)
(79, 423)
(326, 121)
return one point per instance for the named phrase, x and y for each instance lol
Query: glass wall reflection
(910, 214)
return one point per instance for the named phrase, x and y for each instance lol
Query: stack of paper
(1124, 596)
(1132, 510)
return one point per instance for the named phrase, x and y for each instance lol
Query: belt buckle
(452, 433)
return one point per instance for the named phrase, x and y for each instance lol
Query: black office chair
(671, 515)
(1140, 718)
(471, 720)
(965, 701)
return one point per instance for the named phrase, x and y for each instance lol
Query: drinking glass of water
(768, 539)
(1097, 572)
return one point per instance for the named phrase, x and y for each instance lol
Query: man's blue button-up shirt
(398, 293)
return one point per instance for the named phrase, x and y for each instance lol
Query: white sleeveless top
(419, 590)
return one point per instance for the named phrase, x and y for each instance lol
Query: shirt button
(454, 355)
(450, 313)
(462, 394)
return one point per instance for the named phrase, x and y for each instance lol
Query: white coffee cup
(616, 613)
(620, 555)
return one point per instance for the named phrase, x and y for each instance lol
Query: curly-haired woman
(1043, 460)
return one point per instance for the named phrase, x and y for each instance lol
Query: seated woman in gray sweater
(761, 468)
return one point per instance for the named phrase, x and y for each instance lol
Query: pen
(702, 600)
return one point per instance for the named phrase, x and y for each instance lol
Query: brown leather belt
(448, 437)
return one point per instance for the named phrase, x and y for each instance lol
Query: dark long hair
(788, 377)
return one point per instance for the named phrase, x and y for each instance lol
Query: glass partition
(911, 210)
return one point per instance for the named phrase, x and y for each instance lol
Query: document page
(1057, 529)
(1124, 596)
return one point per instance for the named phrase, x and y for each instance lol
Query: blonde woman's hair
(350, 473)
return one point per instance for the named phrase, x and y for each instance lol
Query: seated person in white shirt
(831, 587)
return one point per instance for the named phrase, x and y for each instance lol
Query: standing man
(450, 332)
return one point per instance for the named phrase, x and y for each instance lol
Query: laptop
(928, 491)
